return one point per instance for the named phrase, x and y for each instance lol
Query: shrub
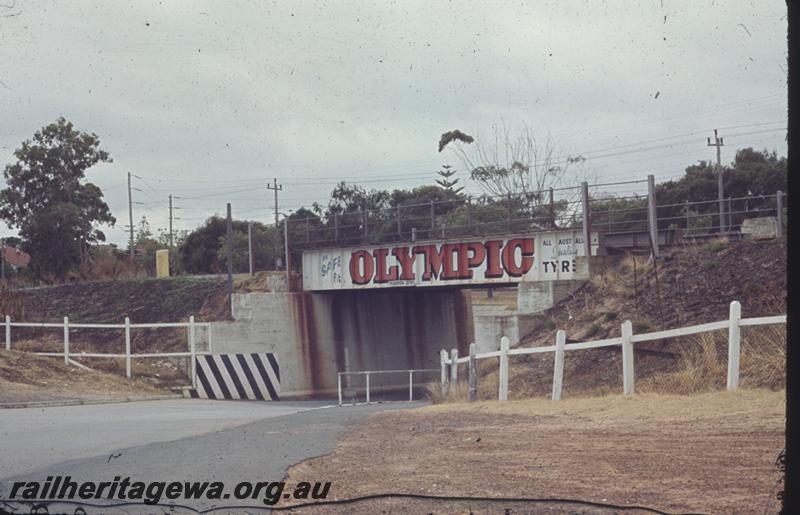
(593, 330)
(715, 245)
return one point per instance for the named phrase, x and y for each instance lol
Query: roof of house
(16, 257)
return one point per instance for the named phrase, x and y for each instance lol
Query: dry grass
(434, 393)
(708, 453)
(611, 282)
(704, 363)
(701, 367)
(256, 283)
(28, 377)
(763, 359)
(650, 406)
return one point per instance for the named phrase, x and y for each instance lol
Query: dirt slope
(689, 285)
(26, 377)
(143, 300)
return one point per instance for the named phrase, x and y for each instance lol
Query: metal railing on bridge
(586, 207)
(368, 373)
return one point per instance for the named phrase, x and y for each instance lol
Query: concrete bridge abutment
(382, 330)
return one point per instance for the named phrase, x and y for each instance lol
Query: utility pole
(720, 193)
(130, 211)
(170, 221)
(250, 245)
(229, 254)
(286, 253)
(277, 187)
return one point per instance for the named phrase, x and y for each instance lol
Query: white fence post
(367, 388)
(627, 358)
(503, 393)
(128, 347)
(734, 341)
(473, 372)
(66, 340)
(558, 365)
(8, 332)
(443, 362)
(410, 386)
(193, 351)
(454, 367)
(339, 383)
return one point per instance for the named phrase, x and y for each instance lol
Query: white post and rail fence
(191, 332)
(626, 341)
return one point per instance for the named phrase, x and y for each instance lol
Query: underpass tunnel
(387, 329)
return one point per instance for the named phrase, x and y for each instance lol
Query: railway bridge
(386, 290)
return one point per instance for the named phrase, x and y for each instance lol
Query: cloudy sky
(209, 100)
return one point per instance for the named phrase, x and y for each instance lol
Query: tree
(752, 174)
(47, 199)
(347, 198)
(517, 163)
(346, 211)
(145, 246)
(264, 248)
(446, 182)
(204, 249)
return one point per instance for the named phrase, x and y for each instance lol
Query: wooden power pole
(229, 253)
(720, 192)
(170, 221)
(130, 212)
(277, 187)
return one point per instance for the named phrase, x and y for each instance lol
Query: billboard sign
(543, 256)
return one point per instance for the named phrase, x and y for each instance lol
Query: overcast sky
(209, 100)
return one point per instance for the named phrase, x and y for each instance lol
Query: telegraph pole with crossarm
(277, 187)
(721, 194)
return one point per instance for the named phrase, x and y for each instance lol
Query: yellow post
(162, 263)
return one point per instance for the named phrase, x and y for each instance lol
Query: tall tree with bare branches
(515, 162)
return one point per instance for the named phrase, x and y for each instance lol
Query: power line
(603, 153)
(607, 152)
(754, 103)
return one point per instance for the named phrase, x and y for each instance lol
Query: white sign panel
(547, 256)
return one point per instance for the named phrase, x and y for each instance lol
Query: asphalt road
(173, 440)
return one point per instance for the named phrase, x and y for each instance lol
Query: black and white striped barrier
(238, 376)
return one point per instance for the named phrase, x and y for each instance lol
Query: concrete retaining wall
(533, 298)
